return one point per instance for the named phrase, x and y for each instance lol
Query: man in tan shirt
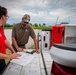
(21, 33)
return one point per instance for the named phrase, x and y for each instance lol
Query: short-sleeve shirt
(2, 41)
(21, 34)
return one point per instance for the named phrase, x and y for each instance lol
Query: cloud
(41, 11)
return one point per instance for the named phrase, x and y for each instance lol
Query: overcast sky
(49, 12)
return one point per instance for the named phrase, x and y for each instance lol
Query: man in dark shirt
(21, 33)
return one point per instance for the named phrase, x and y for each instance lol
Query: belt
(22, 46)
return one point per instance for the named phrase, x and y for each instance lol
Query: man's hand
(38, 51)
(20, 49)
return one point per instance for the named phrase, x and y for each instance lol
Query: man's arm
(15, 44)
(36, 45)
(9, 46)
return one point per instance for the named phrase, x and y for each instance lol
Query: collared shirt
(2, 41)
(21, 33)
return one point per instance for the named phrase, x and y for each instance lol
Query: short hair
(3, 11)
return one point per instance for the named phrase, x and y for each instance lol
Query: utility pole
(68, 19)
(57, 20)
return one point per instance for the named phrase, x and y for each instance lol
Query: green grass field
(38, 27)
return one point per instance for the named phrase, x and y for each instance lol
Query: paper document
(24, 59)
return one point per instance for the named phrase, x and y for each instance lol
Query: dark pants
(21, 46)
(2, 65)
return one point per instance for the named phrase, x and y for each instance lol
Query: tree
(35, 25)
(44, 24)
(7, 25)
(39, 24)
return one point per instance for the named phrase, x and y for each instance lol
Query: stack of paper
(24, 59)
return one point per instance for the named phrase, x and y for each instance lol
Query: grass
(43, 27)
(32, 47)
(38, 27)
(8, 27)
(7, 52)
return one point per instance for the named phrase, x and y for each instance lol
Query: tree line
(35, 26)
(11, 25)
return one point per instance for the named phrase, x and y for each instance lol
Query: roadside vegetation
(35, 26)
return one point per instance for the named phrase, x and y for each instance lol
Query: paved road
(30, 42)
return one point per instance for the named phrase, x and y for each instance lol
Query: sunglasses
(26, 22)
